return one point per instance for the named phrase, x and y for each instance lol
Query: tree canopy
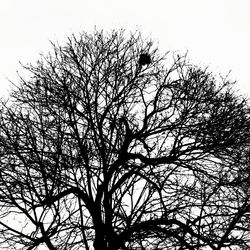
(101, 151)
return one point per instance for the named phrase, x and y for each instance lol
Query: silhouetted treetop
(98, 152)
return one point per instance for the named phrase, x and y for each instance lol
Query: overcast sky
(215, 32)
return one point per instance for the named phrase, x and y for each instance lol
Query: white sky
(215, 32)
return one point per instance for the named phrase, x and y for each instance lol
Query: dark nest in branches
(144, 59)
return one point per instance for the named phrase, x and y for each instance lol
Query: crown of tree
(98, 152)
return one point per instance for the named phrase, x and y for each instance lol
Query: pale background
(215, 32)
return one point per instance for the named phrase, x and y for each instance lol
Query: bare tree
(100, 151)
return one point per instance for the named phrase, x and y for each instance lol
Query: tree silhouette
(98, 152)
